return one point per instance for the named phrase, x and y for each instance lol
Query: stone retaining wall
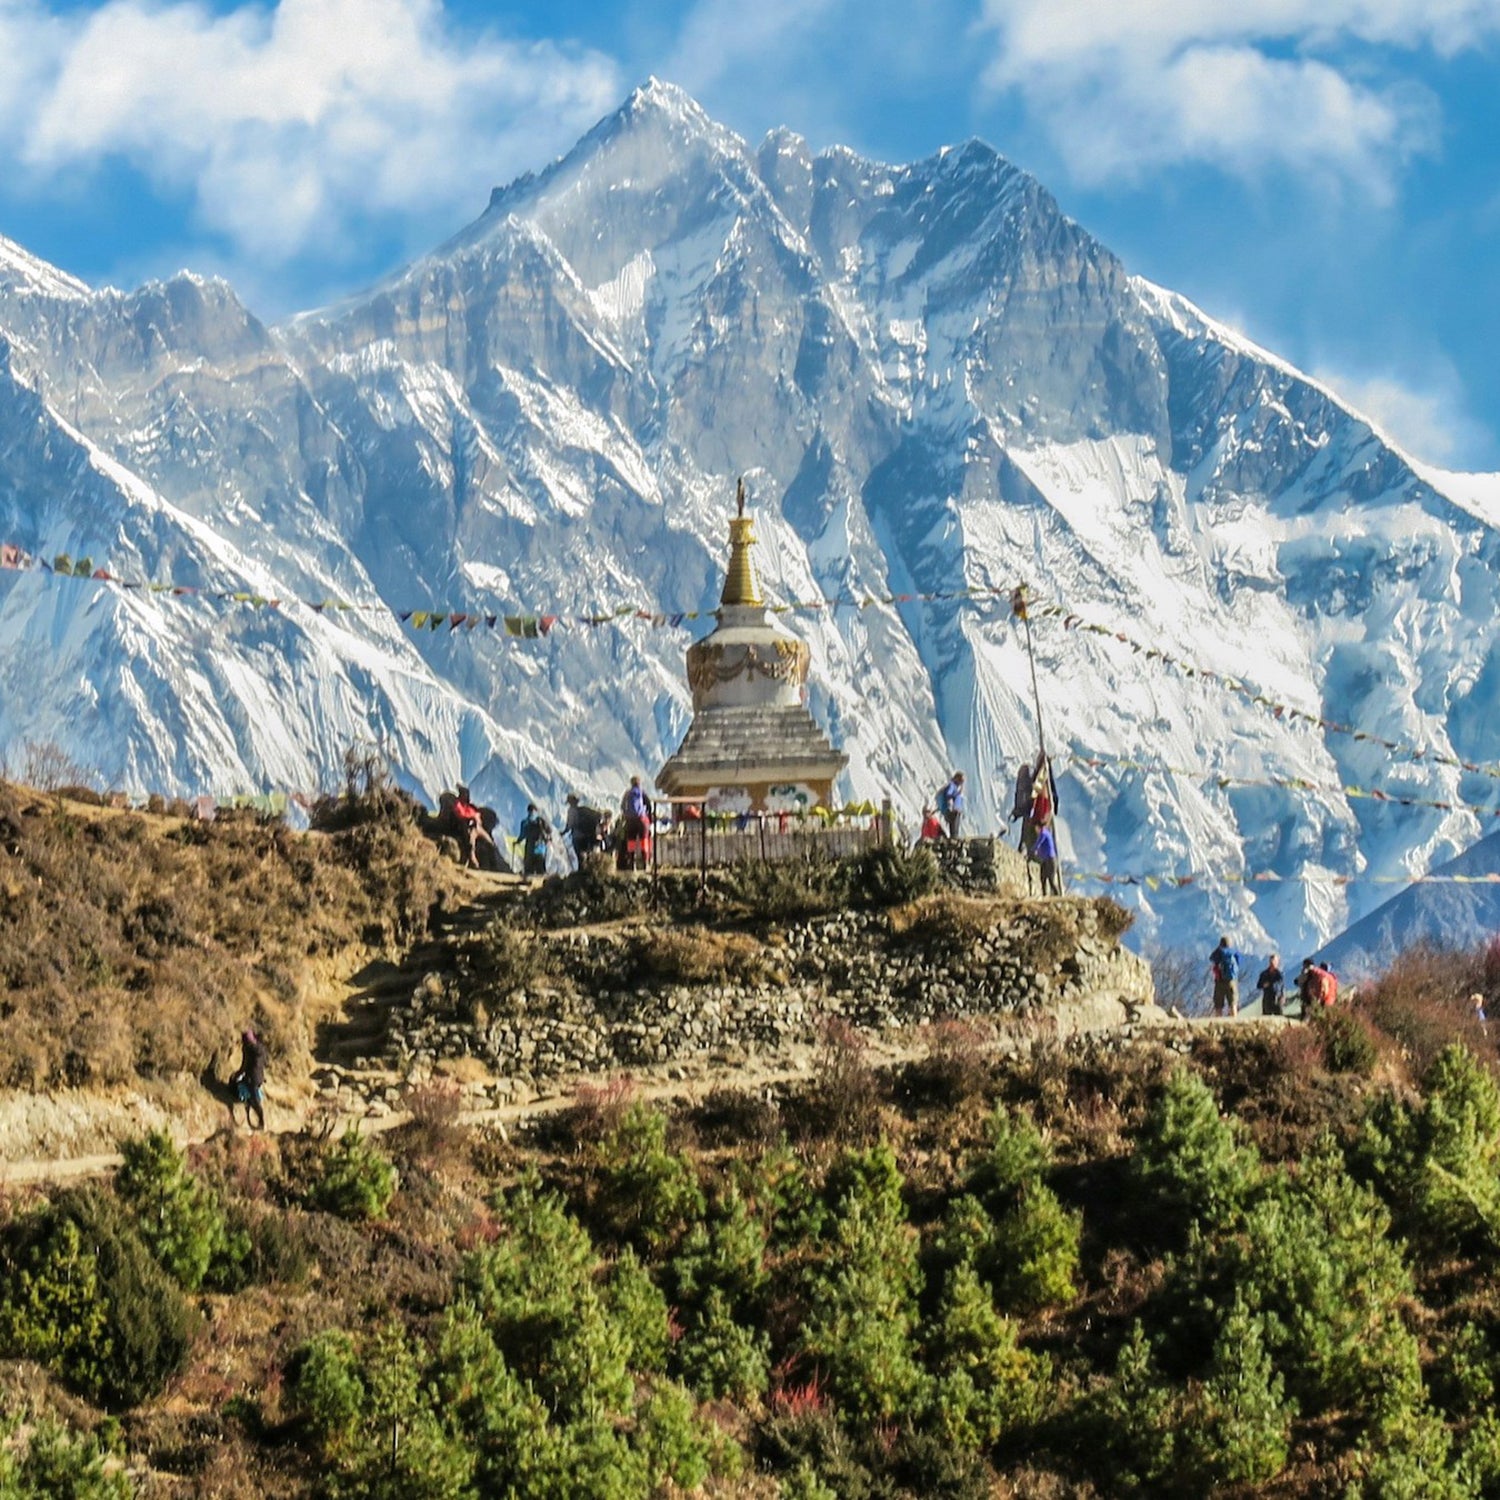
(1057, 958)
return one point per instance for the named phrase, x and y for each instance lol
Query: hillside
(861, 1186)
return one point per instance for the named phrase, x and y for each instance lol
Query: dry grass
(132, 947)
(697, 955)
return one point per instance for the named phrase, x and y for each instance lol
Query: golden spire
(741, 583)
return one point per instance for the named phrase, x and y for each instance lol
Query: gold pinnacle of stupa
(741, 582)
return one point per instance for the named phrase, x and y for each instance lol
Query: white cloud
(291, 128)
(1125, 86)
(1429, 424)
(719, 35)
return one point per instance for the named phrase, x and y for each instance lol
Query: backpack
(1226, 964)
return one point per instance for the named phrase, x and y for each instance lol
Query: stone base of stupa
(763, 757)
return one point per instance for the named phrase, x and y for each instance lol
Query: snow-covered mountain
(931, 379)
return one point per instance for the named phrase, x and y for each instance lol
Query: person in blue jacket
(1226, 962)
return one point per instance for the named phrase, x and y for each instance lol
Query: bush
(356, 1179)
(1418, 1003)
(646, 1195)
(1030, 1252)
(890, 875)
(538, 1291)
(81, 1293)
(1190, 1165)
(984, 1382)
(375, 1421)
(1238, 1427)
(177, 1215)
(49, 1462)
(861, 1301)
(1439, 1165)
(1348, 1046)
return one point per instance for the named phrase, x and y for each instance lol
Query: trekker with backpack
(1318, 986)
(1225, 963)
(950, 803)
(536, 834)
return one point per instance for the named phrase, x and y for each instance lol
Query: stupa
(752, 746)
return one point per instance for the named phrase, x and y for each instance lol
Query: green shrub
(671, 1440)
(49, 1462)
(356, 1180)
(646, 1195)
(1348, 1046)
(497, 1413)
(1315, 1258)
(718, 1356)
(328, 1392)
(1032, 1256)
(538, 1292)
(179, 1218)
(375, 1420)
(639, 1311)
(1138, 1418)
(1190, 1165)
(1030, 1250)
(1238, 1429)
(984, 1382)
(1439, 1165)
(861, 1301)
(80, 1292)
(890, 875)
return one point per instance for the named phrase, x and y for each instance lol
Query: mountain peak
(20, 270)
(657, 96)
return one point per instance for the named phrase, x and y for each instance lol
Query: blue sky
(1321, 176)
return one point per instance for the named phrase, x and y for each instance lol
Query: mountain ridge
(930, 377)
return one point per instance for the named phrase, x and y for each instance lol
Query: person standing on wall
(1272, 987)
(951, 803)
(1225, 963)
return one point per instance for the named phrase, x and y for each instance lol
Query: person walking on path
(951, 803)
(1272, 987)
(536, 834)
(249, 1079)
(1225, 963)
(1044, 851)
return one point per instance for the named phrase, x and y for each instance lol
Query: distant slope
(1450, 916)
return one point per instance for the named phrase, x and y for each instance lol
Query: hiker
(581, 824)
(1272, 987)
(1020, 806)
(249, 1079)
(635, 829)
(950, 803)
(932, 826)
(1476, 1000)
(535, 833)
(1044, 851)
(1225, 962)
(1317, 986)
(472, 834)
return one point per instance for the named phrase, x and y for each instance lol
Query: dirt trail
(354, 1017)
(792, 1065)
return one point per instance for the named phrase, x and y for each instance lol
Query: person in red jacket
(932, 826)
